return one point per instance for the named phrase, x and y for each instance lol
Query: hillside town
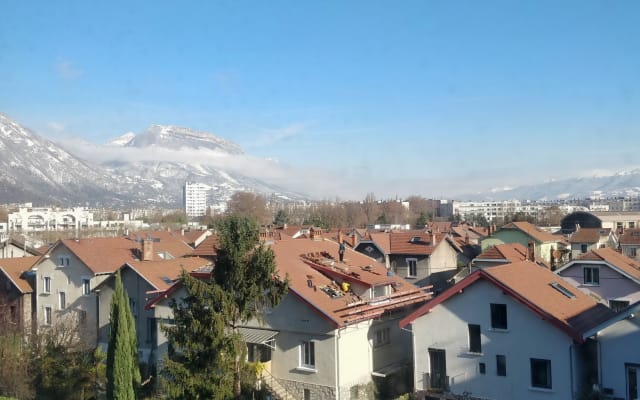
(416, 298)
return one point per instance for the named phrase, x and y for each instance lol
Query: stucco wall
(613, 285)
(618, 345)
(445, 327)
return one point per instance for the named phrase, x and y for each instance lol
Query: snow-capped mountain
(624, 183)
(159, 161)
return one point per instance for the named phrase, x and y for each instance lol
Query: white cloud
(57, 127)
(272, 136)
(67, 70)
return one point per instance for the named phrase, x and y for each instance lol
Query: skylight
(562, 290)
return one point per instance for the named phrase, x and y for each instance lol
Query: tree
(422, 220)
(209, 357)
(281, 218)
(250, 204)
(123, 372)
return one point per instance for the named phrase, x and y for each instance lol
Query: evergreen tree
(123, 372)
(208, 361)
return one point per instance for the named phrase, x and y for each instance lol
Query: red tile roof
(630, 237)
(588, 235)
(413, 242)
(163, 274)
(537, 288)
(13, 269)
(103, 255)
(207, 248)
(511, 252)
(164, 241)
(612, 257)
(533, 231)
(312, 267)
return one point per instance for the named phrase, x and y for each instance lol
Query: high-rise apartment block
(195, 199)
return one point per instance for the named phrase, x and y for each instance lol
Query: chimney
(340, 237)
(531, 252)
(489, 230)
(434, 241)
(147, 250)
(466, 238)
(355, 240)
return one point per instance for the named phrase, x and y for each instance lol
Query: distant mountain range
(152, 170)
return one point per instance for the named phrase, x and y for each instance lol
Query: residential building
(17, 246)
(29, 219)
(608, 276)
(618, 357)
(195, 199)
(16, 293)
(552, 249)
(586, 239)
(335, 335)
(630, 243)
(501, 254)
(493, 211)
(142, 280)
(511, 331)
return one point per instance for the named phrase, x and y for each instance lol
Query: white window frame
(411, 261)
(308, 355)
(46, 284)
(587, 272)
(86, 286)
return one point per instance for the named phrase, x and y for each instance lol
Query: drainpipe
(337, 362)
(573, 391)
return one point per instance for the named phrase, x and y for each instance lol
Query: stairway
(279, 392)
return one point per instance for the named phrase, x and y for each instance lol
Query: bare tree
(250, 204)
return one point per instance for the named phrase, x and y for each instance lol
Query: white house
(510, 331)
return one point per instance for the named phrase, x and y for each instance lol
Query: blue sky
(434, 98)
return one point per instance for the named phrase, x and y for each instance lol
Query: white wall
(618, 345)
(445, 327)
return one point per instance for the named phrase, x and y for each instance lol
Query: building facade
(195, 199)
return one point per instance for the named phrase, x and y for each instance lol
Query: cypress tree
(123, 374)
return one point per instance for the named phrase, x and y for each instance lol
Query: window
(382, 337)
(498, 316)
(306, 394)
(152, 327)
(540, 373)
(132, 306)
(63, 261)
(86, 286)
(618, 305)
(307, 355)
(583, 248)
(475, 344)
(13, 313)
(412, 267)
(591, 275)
(62, 300)
(501, 365)
(47, 316)
(482, 368)
(82, 317)
(632, 252)
(47, 284)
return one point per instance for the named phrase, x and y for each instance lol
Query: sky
(342, 98)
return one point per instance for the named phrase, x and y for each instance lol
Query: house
(630, 243)
(335, 334)
(586, 239)
(142, 281)
(512, 331)
(17, 246)
(552, 249)
(605, 274)
(16, 293)
(207, 248)
(619, 355)
(67, 273)
(374, 244)
(501, 254)
(167, 244)
(425, 259)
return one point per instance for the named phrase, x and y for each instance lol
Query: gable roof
(13, 268)
(102, 255)
(589, 235)
(164, 273)
(415, 242)
(207, 248)
(312, 267)
(535, 288)
(173, 243)
(616, 260)
(532, 231)
(511, 252)
(379, 239)
(630, 237)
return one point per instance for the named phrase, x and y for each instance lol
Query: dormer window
(380, 291)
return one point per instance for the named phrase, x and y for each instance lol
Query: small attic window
(562, 290)
(415, 239)
(166, 280)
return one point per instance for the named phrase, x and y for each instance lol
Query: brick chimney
(434, 240)
(147, 250)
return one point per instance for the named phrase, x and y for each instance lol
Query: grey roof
(256, 335)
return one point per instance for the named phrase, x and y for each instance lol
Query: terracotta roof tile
(622, 262)
(103, 255)
(169, 242)
(533, 231)
(588, 235)
(312, 267)
(13, 269)
(413, 242)
(162, 274)
(207, 248)
(630, 237)
(512, 252)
